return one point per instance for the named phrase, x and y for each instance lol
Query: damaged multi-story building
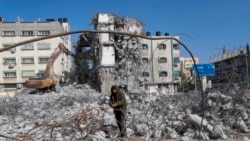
(104, 59)
(231, 66)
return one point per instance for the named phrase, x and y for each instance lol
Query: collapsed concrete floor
(78, 112)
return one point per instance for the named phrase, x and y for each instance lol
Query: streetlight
(189, 37)
(184, 34)
(247, 52)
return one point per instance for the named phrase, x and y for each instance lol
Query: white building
(29, 60)
(160, 63)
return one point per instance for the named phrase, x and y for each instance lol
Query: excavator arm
(49, 81)
(61, 48)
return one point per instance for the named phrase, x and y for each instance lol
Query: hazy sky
(205, 26)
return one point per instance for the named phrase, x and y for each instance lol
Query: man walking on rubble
(118, 102)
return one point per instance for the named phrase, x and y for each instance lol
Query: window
(7, 61)
(228, 62)
(145, 74)
(43, 33)
(144, 61)
(216, 65)
(162, 60)
(177, 73)
(89, 64)
(43, 46)
(176, 47)
(43, 60)
(176, 60)
(144, 47)
(27, 47)
(163, 74)
(10, 85)
(8, 33)
(28, 60)
(8, 44)
(162, 47)
(27, 33)
(28, 73)
(188, 65)
(41, 73)
(9, 74)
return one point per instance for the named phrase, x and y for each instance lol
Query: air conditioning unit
(19, 86)
(11, 65)
(13, 50)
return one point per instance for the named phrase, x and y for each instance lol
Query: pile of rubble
(78, 112)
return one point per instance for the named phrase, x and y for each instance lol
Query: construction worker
(118, 102)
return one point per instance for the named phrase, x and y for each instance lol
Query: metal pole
(247, 68)
(195, 85)
(172, 63)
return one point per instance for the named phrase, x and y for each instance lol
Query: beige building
(160, 64)
(29, 60)
(186, 65)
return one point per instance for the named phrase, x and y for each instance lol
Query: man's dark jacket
(118, 98)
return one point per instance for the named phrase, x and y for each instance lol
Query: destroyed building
(104, 59)
(231, 66)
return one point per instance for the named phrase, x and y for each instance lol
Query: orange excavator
(48, 82)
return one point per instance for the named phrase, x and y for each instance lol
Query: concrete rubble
(78, 112)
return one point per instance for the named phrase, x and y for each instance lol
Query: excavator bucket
(40, 84)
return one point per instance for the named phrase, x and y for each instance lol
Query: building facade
(231, 66)
(160, 63)
(29, 60)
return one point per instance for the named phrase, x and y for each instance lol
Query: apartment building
(29, 60)
(160, 63)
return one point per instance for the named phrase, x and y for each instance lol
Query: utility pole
(247, 71)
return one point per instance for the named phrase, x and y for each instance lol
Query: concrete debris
(99, 136)
(218, 133)
(185, 139)
(245, 139)
(80, 113)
